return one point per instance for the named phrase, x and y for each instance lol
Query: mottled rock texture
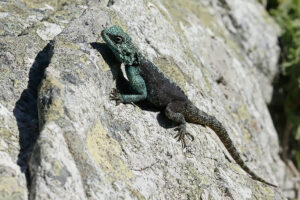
(62, 138)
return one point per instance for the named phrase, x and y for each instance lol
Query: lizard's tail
(200, 117)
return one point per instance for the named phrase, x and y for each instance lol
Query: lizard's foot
(181, 134)
(115, 96)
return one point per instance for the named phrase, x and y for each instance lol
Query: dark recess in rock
(25, 110)
(110, 3)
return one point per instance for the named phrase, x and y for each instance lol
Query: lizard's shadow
(123, 85)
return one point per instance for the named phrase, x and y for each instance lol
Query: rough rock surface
(62, 138)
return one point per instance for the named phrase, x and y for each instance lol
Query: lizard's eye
(118, 39)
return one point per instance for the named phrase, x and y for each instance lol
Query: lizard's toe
(191, 136)
(183, 143)
(114, 95)
(180, 136)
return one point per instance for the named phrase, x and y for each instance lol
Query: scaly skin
(149, 83)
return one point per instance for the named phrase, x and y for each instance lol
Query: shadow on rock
(26, 111)
(114, 65)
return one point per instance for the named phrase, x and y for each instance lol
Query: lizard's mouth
(112, 46)
(105, 36)
(108, 40)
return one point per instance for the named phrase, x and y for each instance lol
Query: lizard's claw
(191, 136)
(181, 134)
(114, 95)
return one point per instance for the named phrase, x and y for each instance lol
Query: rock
(23, 55)
(71, 142)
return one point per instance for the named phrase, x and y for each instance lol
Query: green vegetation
(287, 15)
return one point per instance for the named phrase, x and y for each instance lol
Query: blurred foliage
(287, 15)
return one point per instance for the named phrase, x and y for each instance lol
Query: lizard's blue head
(120, 43)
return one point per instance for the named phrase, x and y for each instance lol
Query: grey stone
(62, 138)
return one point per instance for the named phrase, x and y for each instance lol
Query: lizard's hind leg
(175, 115)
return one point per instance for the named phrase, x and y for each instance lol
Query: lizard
(147, 82)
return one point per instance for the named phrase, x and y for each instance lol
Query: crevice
(145, 168)
(221, 80)
(26, 111)
(110, 3)
(276, 106)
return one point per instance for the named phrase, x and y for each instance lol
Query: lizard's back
(160, 89)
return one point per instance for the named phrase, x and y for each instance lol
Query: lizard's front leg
(173, 114)
(137, 84)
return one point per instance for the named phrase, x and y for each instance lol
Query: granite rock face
(62, 138)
